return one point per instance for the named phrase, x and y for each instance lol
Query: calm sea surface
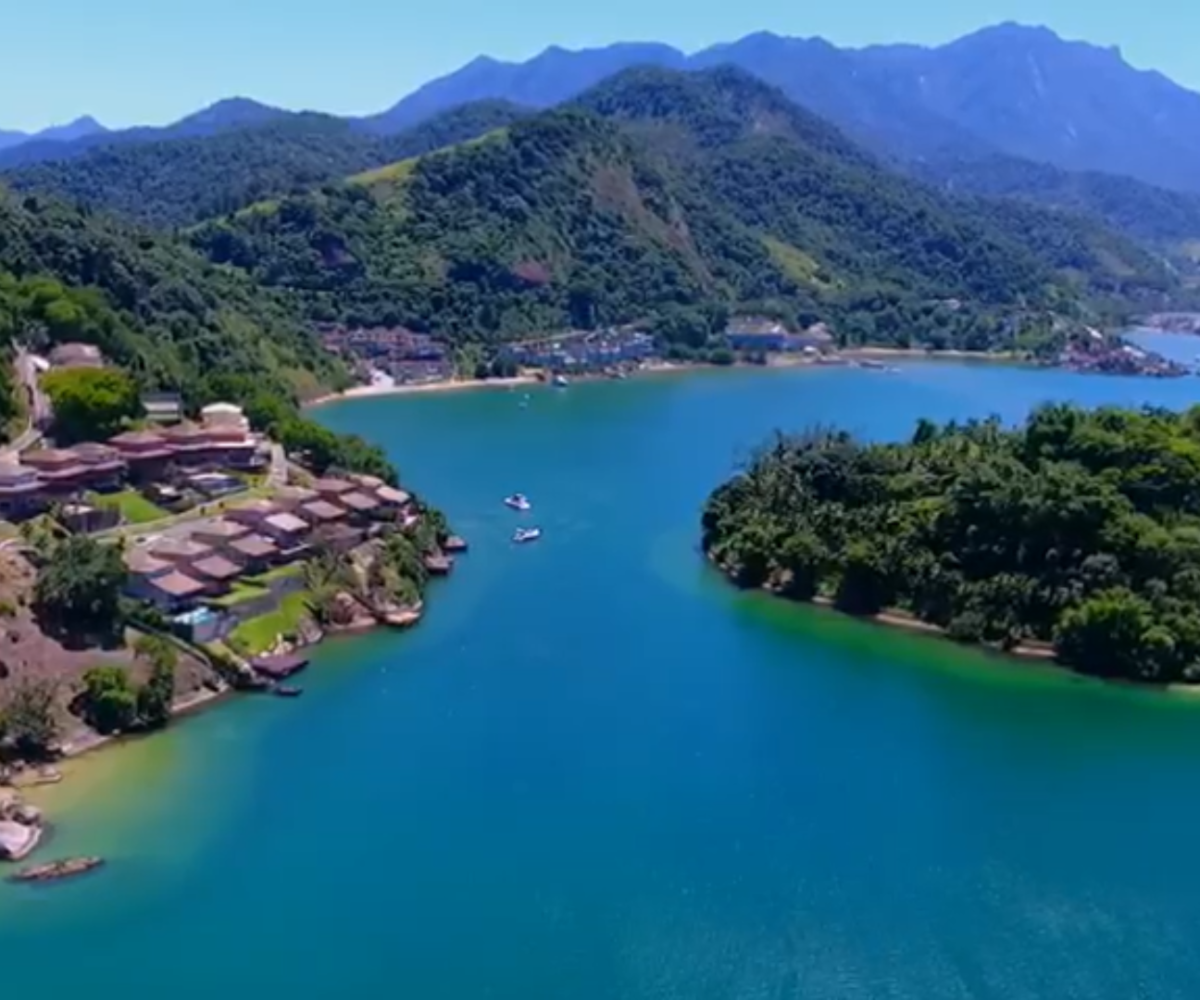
(597, 772)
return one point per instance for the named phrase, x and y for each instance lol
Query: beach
(409, 389)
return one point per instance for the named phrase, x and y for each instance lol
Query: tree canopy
(1081, 529)
(78, 590)
(91, 404)
(659, 192)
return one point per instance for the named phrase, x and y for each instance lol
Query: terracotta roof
(142, 562)
(46, 457)
(295, 495)
(95, 453)
(180, 548)
(222, 530)
(255, 509)
(334, 486)
(62, 472)
(393, 496)
(217, 568)
(12, 474)
(287, 522)
(358, 501)
(254, 546)
(136, 438)
(337, 533)
(177, 584)
(323, 510)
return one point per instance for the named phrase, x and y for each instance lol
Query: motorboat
(560, 381)
(283, 691)
(518, 501)
(527, 535)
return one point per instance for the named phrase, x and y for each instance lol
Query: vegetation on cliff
(1080, 529)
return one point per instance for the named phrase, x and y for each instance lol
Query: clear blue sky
(151, 61)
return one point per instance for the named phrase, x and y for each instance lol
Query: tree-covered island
(1080, 529)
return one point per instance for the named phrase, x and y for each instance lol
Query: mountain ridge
(665, 194)
(1010, 88)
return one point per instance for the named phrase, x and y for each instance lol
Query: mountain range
(1011, 90)
(677, 196)
(80, 128)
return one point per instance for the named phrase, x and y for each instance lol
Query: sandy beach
(453, 385)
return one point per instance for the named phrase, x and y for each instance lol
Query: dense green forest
(664, 193)
(178, 182)
(1081, 528)
(165, 315)
(1165, 220)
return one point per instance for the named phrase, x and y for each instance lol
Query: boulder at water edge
(17, 841)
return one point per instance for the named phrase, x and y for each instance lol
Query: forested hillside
(162, 313)
(1081, 529)
(180, 181)
(1168, 221)
(662, 192)
(152, 306)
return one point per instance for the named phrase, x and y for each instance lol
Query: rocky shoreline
(21, 826)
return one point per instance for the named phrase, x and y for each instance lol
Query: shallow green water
(596, 772)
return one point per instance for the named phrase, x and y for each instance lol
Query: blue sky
(151, 61)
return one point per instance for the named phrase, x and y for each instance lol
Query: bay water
(596, 771)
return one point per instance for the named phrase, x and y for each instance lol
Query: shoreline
(663, 367)
(415, 389)
(1025, 653)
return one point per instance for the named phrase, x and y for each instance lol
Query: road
(277, 475)
(38, 406)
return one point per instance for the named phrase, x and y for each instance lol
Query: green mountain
(1165, 220)
(178, 181)
(167, 316)
(676, 196)
(152, 305)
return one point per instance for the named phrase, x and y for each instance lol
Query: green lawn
(240, 592)
(256, 635)
(134, 508)
(271, 575)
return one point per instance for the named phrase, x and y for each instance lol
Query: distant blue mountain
(1010, 89)
(70, 141)
(80, 128)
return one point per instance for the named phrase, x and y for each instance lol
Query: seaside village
(228, 546)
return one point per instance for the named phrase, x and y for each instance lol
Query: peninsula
(1073, 535)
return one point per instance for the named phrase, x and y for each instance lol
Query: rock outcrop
(17, 840)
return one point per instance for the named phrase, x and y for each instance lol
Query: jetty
(279, 667)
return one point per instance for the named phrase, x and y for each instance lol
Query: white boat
(518, 501)
(561, 381)
(527, 534)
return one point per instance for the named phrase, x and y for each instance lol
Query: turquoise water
(597, 772)
(1181, 347)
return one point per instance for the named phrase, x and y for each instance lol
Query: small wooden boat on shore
(56, 871)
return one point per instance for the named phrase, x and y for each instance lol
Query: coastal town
(387, 358)
(241, 555)
(233, 557)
